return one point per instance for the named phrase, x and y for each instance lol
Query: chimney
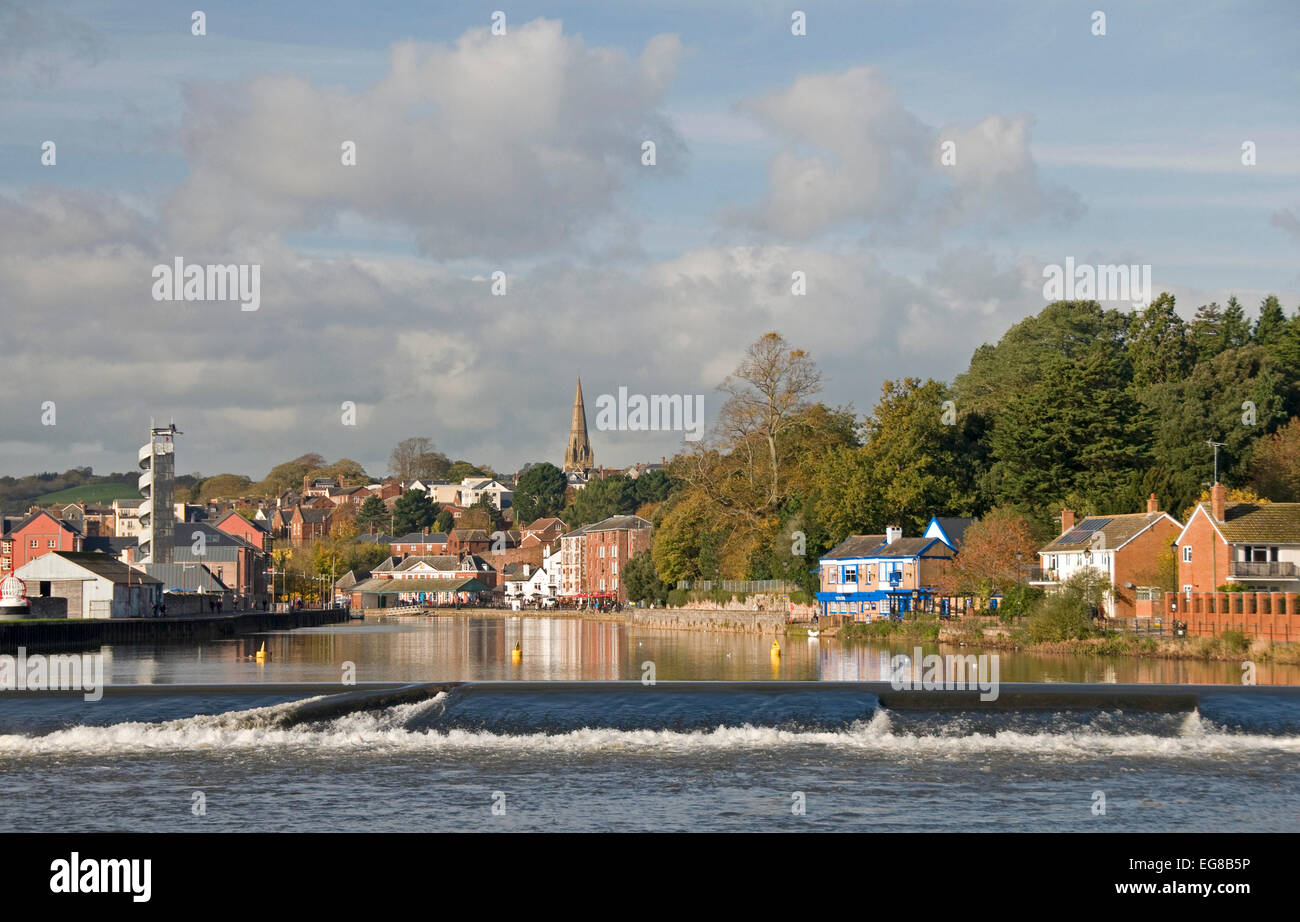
(1218, 501)
(1152, 504)
(1067, 520)
(892, 533)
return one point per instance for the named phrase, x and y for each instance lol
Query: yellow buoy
(516, 654)
(261, 654)
(775, 651)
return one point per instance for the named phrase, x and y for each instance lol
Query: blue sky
(520, 153)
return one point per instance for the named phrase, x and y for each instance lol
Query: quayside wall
(81, 633)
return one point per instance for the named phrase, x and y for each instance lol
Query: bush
(1234, 642)
(1059, 617)
(1018, 601)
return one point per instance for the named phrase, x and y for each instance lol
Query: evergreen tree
(1270, 324)
(538, 493)
(1236, 328)
(373, 514)
(413, 511)
(1157, 343)
(1205, 335)
(1078, 430)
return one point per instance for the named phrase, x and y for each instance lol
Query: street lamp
(1087, 576)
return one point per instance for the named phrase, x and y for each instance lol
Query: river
(721, 760)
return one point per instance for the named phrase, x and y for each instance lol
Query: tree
(1213, 402)
(1270, 324)
(1205, 335)
(1230, 495)
(444, 522)
(994, 554)
(1157, 343)
(373, 514)
(220, 486)
(1275, 465)
(404, 457)
(1077, 430)
(1236, 328)
(539, 492)
(600, 499)
(482, 514)
(413, 511)
(768, 393)
(642, 581)
(289, 475)
(653, 487)
(459, 470)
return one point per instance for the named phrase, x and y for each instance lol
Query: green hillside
(91, 493)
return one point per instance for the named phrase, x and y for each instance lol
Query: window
(1187, 591)
(1187, 553)
(34, 543)
(613, 568)
(602, 550)
(613, 551)
(850, 575)
(51, 543)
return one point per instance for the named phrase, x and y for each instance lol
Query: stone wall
(715, 619)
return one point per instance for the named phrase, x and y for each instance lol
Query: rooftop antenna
(1216, 446)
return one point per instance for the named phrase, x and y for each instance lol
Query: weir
(1013, 696)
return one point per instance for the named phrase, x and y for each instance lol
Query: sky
(520, 150)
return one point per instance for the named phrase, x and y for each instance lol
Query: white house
(95, 585)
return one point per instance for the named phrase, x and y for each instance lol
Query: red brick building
(607, 546)
(308, 524)
(235, 524)
(468, 541)
(1124, 549)
(420, 543)
(35, 536)
(542, 532)
(1256, 545)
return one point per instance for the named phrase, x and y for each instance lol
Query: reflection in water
(468, 648)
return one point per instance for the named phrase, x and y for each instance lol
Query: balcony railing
(1040, 575)
(1275, 569)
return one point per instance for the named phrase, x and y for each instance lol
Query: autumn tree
(994, 555)
(1275, 466)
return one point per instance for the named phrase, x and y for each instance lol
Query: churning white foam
(386, 731)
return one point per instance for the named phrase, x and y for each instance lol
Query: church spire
(577, 455)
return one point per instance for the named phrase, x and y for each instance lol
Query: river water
(530, 757)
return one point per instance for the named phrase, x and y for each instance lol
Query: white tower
(157, 485)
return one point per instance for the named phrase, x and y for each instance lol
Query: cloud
(37, 41)
(495, 146)
(1287, 220)
(855, 154)
(423, 350)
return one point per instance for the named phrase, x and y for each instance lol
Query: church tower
(577, 456)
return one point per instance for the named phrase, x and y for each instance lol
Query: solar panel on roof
(1080, 534)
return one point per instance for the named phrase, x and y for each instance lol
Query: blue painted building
(870, 577)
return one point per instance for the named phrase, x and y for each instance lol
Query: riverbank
(84, 633)
(1227, 647)
(985, 634)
